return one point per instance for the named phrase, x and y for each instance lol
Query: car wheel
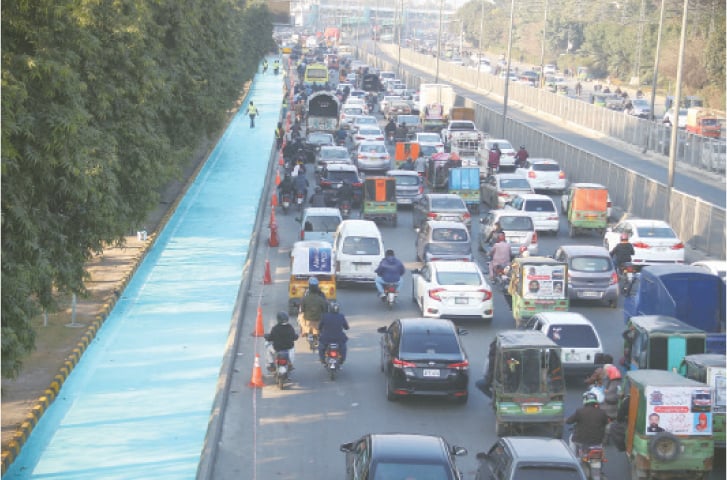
(390, 395)
(665, 447)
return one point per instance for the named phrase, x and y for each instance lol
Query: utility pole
(439, 40)
(479, 47)
(656, 62)
(507, 70)
(639, 42)
(542, 47)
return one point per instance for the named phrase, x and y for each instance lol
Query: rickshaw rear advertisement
(318, 260)
(544, 281)
(678, 410)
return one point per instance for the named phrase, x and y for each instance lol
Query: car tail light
(466, 215)
(357, 184)
(614, 279)
(486, 294)
(535, 238)
(531, 174)
(302, 234)
(677, 246)
(431, 215)
(641, 245)
(434, 294)
(465, 365)
(380, 138)
(386, 156)
(421, 189)
(553, 217)
(325, 183)
(398, 363)
(503, 194)
(360, 156)
(561, 175)
(608, 204)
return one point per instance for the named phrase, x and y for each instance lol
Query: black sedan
(424, 356)
(384, 456)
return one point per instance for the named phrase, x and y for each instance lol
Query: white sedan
(543, 174)
(654, 241)
(367, 133)
(447, 289)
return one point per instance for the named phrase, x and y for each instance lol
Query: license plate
(428, 372)
(449, 219)
(461, 300)
(591, 294)
(595, 464)
(532, 409)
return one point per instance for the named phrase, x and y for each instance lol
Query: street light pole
(439, 40)
(399, 26)
(542, 48)
(479, 47)
(507, 69)
(656, 62)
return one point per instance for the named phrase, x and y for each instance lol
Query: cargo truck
(703, 122)
(435, 102)
(323, 113)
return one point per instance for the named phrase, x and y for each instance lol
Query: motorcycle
(626, 274)
(345, 207)
(332, 360)
(276, 70)
(282, 367)
(501, 276)
(313, 341)
(300, 199)
(390, 294)
(592, 458)
(285, 201)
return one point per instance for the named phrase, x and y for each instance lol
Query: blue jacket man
(332, 326)
(390, 270)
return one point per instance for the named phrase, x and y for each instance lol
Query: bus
(316, 74)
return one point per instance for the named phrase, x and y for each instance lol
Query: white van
(358, 249)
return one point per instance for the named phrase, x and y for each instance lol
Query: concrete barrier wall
(698, 223)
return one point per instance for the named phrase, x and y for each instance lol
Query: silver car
(443, 241)
(518, 227)
(409, 186)
(496, 190)
(372, 156)
(591, 274)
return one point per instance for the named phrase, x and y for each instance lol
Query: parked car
(372, 156)
(528, 458)
(541, 207)
(544, 174)
(591, 273)
(409, 186)
(334, 175)
(367, 134)
(440, 206)
(329, 155)
(654, 241)
(518, 228)
(424, 356)
(566, 195)
(496, 190)
(438, 240)
(397, 455)
(575, 334)
(452, 289)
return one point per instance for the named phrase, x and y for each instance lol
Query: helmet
(624, 236)
(334, 307)
(312, 282)
(282, 317)
(590, 398)
(389, 253)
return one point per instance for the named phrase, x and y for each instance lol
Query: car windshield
(353, 111)
(449, 235)
(448, 204)
(590, 264)
(334, 153)
(388, 470)
(366, 121)
(354, 245)
(448, 248)
(320, 138)
(573, 336)
(341, 176)
(375, 148)
(539, 206)
(429, 137)
(407, 180)
(547, 472)
(516, 223)
(427, 150)
(459, 278)
(429, 343)
(322, 223)
(530, 370)
(462, 126)
(370, 132)
(546, 167)
(514, 184)
(655, 232)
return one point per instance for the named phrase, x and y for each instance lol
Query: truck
(460, 130)
(703, 122)
(462, 113)
(684, 292)
(435, 102)
(324, 111)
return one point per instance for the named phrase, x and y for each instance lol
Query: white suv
(541, 209)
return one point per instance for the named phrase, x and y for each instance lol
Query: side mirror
(462, 331)
(481, 456)
(381, 329)
(482, 221)
(347, 447)
(416, 271)
(458, 451)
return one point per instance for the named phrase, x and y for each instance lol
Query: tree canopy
(102, 103)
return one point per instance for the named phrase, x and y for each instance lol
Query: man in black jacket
(590, 423)
(281, 337)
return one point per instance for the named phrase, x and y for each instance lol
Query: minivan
(358, 248)
(591, 274)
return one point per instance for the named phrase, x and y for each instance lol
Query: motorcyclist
(500, 254)
(318, 199)
(608, 378)
(521, 156)
(390, 270)
(493, 160)
(590, 422)
(332, 326)
(400, 133)
(341, 135)
(311, 308)
(407, 165)
(623, 251)
(286, 186)
(345, 193)
(390, 128)
(300, 184)
(421, 164)
(281, 337)
(276, 66)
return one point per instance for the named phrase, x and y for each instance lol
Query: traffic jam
(486, 277)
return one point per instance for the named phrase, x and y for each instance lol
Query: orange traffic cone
(280, 159)
(259, 328)
(256, 381)
(274, 200)
(277, 176)
(267, 278)
(274, 240)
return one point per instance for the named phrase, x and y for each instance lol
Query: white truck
(435, 102)
(461, 131)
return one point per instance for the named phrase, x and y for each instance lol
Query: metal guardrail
(698, 223)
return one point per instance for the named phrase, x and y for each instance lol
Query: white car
(386, 101)
(575, 334)
(544, 174)
(452, 289)
(364, 120)
(507, 159)
(654, 241)
(715, 267)
(429, 143)
(541, 209)
(349, 112)
(372, 156)
(367, 134)
(359, 102)
(549, 69)
(681, 121)
(329, 155)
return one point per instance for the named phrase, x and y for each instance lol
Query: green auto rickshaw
(669, 428)
(528, 386)
(709, 368)
(660, 342)
(379, 200)
(537, 284)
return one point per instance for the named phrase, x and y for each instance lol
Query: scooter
(332, 360)
(285, 201)
(390, 294)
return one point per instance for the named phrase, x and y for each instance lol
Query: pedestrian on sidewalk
(252, 113)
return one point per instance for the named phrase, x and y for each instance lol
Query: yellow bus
(316, 74)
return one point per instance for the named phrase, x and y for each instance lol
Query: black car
(424, 356)
(384, 456)
(333, 176)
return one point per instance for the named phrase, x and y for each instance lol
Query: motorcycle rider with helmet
(500, 254)
(332, 326)
(521, 157)
(590, 424)
(282, 337)
(300, 184)
(390, 129)
(312, 306)
(345, 193)
(623, 251)
(390, 270)
(318, 199)
(286, 186)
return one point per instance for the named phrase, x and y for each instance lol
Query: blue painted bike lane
(138, 403)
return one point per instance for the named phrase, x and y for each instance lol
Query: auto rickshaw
(438, 169)
(669, 428)
(528, 385)
(310, 258)
(709, 368)
(404, 150)
(465, 182)
(537, 284)
(587, 210)
(379, 200)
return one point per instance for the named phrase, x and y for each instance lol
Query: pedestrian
(579, 88)
(279, 135)
(252, 113)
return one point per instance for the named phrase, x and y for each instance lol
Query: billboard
(280, 12)
(678, 410)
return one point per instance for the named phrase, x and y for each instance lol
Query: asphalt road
(296, 433)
